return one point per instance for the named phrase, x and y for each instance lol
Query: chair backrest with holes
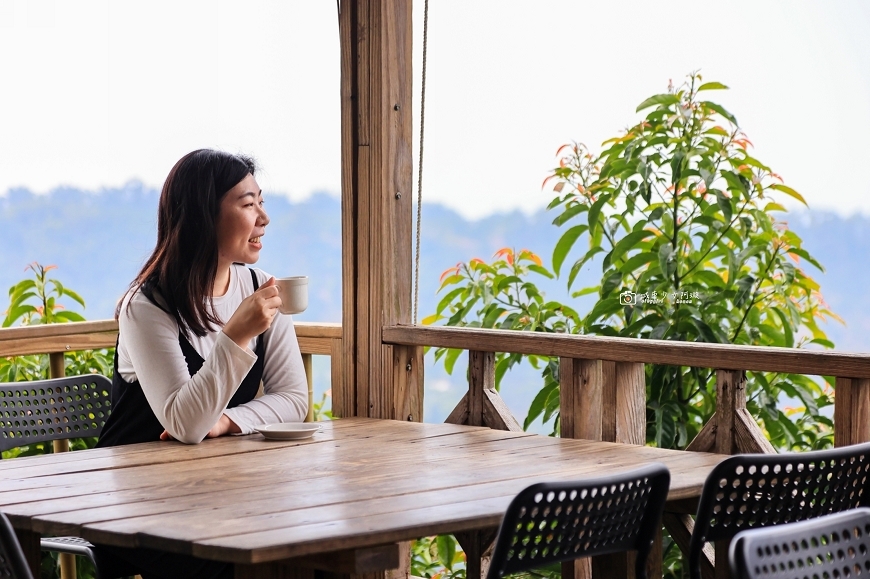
(12, 561)
(551, 522)
(834, 546)
(760, 490)
(43, 410)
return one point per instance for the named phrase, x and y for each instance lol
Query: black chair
(553, 522)
(45, 410)
(834, 546)
(12, 562)
(760, 490)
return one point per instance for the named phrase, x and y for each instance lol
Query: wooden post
(376, 82)
(308, 365)
(376, 213)
(57, 369)
(851, 411)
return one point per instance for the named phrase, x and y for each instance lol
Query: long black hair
(183, 265)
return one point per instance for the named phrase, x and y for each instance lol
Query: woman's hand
(254, 315)
(224, 426)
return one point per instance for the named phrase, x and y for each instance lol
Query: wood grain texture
(99, 334)
(481, 377)
(705, 441)
(702, 355)
(477, 546)
(748, 435)
(249, 501)
(730, 398)
(354, 561)
(377, 204)
(630, 395)
(459, 414)
(851, 411)
(345, 405)
(581, 388)
(496, 413)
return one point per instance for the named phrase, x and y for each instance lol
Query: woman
(198, 331)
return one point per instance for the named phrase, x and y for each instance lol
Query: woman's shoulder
(244, 275)
(137, 307)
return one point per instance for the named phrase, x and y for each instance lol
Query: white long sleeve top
(189, 406)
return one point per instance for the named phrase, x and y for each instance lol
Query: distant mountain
(99, 241)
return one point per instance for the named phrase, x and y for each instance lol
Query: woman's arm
(284, 382)
(187, 407)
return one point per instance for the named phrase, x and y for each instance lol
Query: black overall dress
(132, 421)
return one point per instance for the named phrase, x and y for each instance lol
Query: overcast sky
(97, 93)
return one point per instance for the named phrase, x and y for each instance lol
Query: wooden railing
(57, 339)
(603, 397)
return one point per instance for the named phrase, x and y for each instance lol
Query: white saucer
(288, 430)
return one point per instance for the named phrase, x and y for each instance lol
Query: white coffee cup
(293, 292)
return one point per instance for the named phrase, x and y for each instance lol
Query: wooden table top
(357, 483)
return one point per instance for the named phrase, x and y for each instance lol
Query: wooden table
(338, 501)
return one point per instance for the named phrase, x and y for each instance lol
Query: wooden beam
(376, 79)
(355, 561)
(701, 355)
(581, 388)
(851, 411)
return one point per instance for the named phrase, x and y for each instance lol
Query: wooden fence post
(851, 411)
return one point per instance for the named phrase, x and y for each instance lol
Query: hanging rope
(420, 163)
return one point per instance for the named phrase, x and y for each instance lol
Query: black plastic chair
(12, 562)
(834, 546)
(554, 522)
(45, 410)
(760, 490)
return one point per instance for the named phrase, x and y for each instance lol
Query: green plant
(438, 557)
(683, 221)
(46, 292)
(36, 301)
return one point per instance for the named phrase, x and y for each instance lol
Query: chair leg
(67, 563)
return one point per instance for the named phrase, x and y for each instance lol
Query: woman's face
(241, 223)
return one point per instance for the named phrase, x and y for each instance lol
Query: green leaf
(595, 214)
(569, 213)
(705, 331)
(450, 280)
(68, 316)
(628, 242)
(446, 300)
(564, 245)
(538, 404)
(541, 271)
(787, 333)
(611, 282)
(721, 110)
(789, 191)
(450, 360)
(446, 546)
(712, 86)
(429, 320)
(604, 308)
(74, 295)
(659, 99)
(666, 260)
(638, 260)
(724, 203)
(575, 269)
(586, 291)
